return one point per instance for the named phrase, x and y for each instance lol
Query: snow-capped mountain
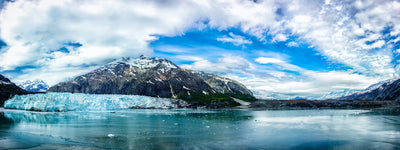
(8, 89)
(384, 90)
(34, 86)
(156, 77)
(336, 94)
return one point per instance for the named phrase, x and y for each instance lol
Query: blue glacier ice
(88, 102)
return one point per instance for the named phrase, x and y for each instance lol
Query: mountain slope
(385, 90)
(8, 90)
(155, 77)
(34, 86)
(221, 84)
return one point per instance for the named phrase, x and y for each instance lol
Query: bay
(201, 129)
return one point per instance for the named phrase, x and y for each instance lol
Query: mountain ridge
(384, 90)
(34, 86)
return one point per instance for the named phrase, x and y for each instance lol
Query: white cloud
(293, 44)
(341, 34)
(310, 84)
(234, 39)
(225, 64)
(266, 60)
(280, 37)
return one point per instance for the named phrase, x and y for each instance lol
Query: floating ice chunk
(89, 102)
(111, 135)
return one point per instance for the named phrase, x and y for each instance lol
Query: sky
(277, 48)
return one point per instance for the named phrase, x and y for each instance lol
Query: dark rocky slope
(8, 90)
(155, 77)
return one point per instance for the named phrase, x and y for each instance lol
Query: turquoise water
(201, 129)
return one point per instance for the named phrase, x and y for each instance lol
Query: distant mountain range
(8, 90)
(34, 86)
(156, 77)
(335, 95)
(385, 90)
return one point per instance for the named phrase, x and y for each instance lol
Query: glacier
(62, 102)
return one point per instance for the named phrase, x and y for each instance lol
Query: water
(201, 129)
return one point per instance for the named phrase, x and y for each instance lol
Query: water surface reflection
(201, 129)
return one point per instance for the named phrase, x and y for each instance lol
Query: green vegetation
(204, 98)
(244, 97)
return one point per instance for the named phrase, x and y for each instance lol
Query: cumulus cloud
(234, 39)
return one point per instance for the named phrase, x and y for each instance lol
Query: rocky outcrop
(156, 77)
(8, 90)
(386, 90)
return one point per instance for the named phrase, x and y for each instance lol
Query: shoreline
(287, 105)
(328, 104)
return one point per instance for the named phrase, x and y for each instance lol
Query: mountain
(156, 77)
(34, 86)
(385, 90)
(222, 84)
(8, 90)
(337, 94)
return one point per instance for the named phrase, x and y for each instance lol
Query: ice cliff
(54, 102)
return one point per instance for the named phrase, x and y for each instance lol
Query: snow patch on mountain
(144, 62)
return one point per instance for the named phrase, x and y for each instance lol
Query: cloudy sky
(281, 48)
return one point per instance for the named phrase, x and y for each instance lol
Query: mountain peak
(143, 57)
(34, 86)
(144, 62)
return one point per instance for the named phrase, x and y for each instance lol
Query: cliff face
(386, 90)
(8, 90)
(155, 77)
